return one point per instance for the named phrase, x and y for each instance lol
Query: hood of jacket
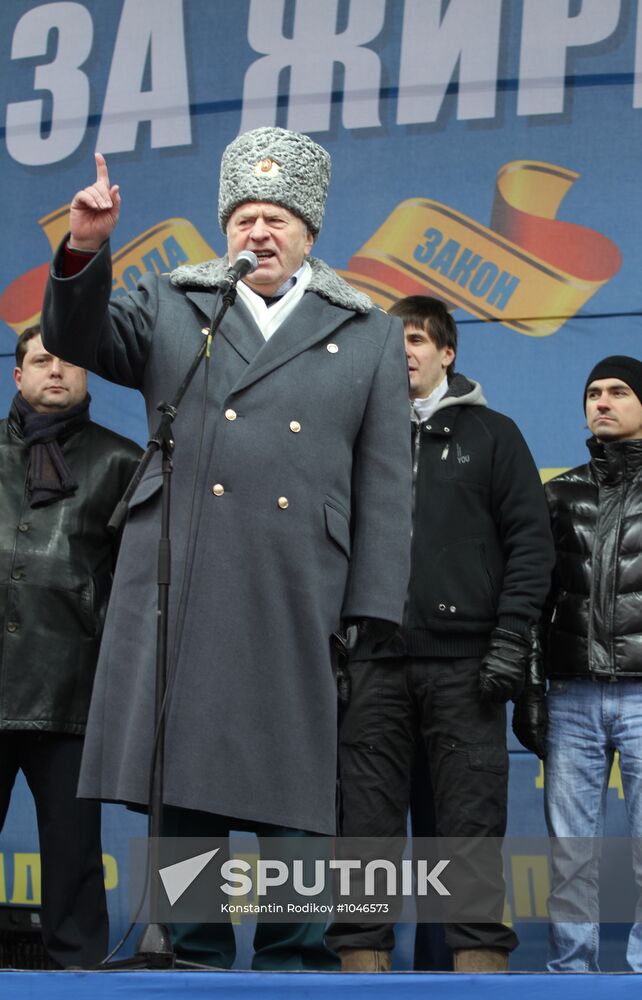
(210, 274)
(462, 391)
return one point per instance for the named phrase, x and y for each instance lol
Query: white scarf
(269, 319)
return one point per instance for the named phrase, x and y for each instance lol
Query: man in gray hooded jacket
(291, 510)
(482, 556)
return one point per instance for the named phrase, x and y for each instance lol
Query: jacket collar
(209, 275)
(615, 460)
(315, 318)
(14, 420)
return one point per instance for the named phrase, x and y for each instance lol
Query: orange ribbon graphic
(529, 270)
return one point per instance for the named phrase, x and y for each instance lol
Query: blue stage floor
(168, 985)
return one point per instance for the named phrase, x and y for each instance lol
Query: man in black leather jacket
(482, 556)
(60, 478)
(594, 657)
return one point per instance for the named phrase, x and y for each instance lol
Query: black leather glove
(503, 669)
(530, 716)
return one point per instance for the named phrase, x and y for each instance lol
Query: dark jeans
(394, 703)
(277, 946)
(75, 927)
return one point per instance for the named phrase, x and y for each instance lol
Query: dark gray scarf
(49, 478)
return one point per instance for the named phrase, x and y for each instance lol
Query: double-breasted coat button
(230, 414)
(12, 627)
(23, 527)
(442, 607)
(452, 609)
(428, 427)
(295, 426)
(283, 503)
(218, 489)
(332, 348)
(447, 430)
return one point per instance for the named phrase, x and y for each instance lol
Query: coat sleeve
(524, 527)
(80, 325)
(381, 489)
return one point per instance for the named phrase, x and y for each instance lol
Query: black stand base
(154, 951)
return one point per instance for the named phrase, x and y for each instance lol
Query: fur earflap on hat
(278, 166)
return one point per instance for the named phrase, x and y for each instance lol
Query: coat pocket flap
(338, 528)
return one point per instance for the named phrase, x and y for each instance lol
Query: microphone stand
(154, 949)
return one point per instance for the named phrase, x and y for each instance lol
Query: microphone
(245, 263)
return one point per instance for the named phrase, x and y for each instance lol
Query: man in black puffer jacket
(482, 556)
(594, 654)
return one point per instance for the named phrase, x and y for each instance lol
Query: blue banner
(483, 151)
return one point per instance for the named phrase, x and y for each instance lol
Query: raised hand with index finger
(94, 211)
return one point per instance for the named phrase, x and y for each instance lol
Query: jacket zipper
(613, 576)
(413, 501)
(609, 608)
(415, 470)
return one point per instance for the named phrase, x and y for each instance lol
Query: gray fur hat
(278, 166)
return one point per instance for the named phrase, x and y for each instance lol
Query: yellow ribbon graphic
(529, 270)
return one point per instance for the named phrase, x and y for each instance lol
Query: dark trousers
(75, 928)
(277, 946)
(431, 953)
(394, 703)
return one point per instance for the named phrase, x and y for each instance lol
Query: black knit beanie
(628, 370)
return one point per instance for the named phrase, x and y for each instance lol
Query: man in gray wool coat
(290, 513)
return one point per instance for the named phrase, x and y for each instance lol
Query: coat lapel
(238, 328)
(312, 321)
